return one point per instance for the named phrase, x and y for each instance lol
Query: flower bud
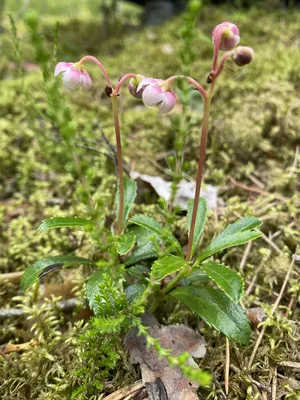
(242, 55)
(229, 35)
(159, 95)
(73, 75)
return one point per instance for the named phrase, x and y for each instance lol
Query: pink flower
(138, 84)
(73, 75)
(229, 35)
(156, 93)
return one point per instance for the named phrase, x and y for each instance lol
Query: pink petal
(71, 78)
(169, 100)
(153, 95)
(62, 67)
(145, 82)
(85, 80)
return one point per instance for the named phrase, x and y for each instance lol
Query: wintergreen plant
(140, 261)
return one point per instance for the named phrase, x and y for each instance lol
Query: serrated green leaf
(130, 188)
(200, 221)
(139, 271)
(216, 309)
(92, 287)
(227, 280)
(134, 291)
(234, 235)
(152, 225)
(167, 265)
(196, 276)
(64, 222)
(145, 248)
(125, 243)
(47, 265)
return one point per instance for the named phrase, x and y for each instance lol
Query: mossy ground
(254, 137)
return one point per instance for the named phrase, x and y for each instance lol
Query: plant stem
(114, 100)
(122, 80)
(98, 63)
(200, 170)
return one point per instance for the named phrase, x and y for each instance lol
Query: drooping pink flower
(138, 84)
(73, 75)
(229, 35)
(157, 94)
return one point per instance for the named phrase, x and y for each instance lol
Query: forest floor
(253, 160)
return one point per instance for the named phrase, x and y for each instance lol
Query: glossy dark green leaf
(200, 221)
(139, 271)
(216, 309)
(125, 243)
(196, 276)
(167, 265)
(234, 235)
(64, 222)
(154, 226)
(47, 265)
(227, 280)
(134, 291)
(145, 248)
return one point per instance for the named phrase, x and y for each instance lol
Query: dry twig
(275, 305)
(125, 391)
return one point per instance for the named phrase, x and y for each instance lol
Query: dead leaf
(178, 338)
(186, 190)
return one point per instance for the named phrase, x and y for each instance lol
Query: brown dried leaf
(178, 338)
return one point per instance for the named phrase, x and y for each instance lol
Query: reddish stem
(191, 81)
(114, 100)
(98, 63)
(122, 80)
(222, 62)
(200, 170)
(217, 43)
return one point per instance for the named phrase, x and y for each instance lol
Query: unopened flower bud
(229, 35)
(135, 88)
(159, 95)
(242, 55)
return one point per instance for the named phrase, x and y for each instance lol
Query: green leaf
(145, 248)
(167, 265)
(64, 222)
(196, 276)
(227, 280)
(92, 287)
(200, 221)
(234, 235)
(216, 309)
(130, 188)
(134, 291)
(125, 243)
(43, 267)
(152, 225)
(139, 271)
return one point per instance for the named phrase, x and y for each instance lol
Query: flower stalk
(114, 101)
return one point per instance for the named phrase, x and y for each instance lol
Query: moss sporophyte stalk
(133, 242)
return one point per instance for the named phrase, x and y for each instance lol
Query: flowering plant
(140, 260)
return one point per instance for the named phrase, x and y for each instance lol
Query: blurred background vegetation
(253, 159)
